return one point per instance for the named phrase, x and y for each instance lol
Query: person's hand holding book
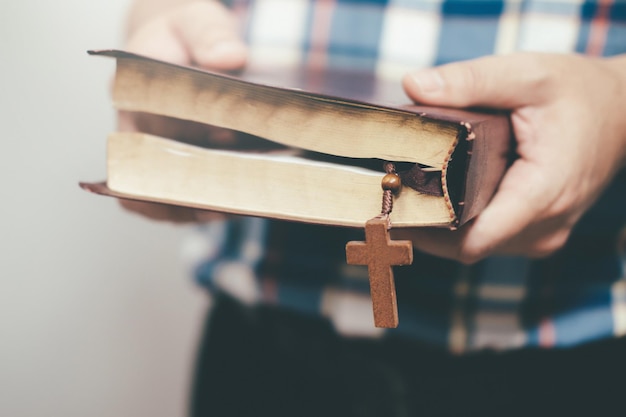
(566, 112)
(568, 118)
(193, 33)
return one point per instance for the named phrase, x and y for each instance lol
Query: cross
(380, 253)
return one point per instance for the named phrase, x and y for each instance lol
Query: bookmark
(380, 253)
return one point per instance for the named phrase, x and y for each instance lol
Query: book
(329, 133)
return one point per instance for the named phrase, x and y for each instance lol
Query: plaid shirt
(576, 295)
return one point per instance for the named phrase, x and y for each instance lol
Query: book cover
(336, 126)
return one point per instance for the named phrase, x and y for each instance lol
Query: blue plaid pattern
(577, 295)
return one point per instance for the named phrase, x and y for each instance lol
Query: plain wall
(97, 314)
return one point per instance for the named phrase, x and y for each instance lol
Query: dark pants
(263, 362)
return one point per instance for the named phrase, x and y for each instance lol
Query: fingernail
(428, 81)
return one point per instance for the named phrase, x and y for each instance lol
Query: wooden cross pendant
(379, 253)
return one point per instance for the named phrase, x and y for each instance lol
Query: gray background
(98, 316)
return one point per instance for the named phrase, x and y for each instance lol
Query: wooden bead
(392, 183)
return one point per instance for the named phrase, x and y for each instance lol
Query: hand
(199, 33)
(569, 122)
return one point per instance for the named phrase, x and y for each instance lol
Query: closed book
(320, 139)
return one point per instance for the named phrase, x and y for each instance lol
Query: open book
(329, 135)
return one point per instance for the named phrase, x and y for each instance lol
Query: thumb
(199, 33)
(209, 31)
(504, 82)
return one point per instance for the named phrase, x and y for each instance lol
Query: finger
(438, 242)
(523, 200)
(210, 32)
(157, 39)
(126, 121)
(200, 33)
(161, 212)
(505, 82)
(170, 213)
(505, 226)
(182, 130)
(537, 241)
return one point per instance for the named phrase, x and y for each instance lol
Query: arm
(568, 118)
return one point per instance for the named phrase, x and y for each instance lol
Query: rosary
(380, 253)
